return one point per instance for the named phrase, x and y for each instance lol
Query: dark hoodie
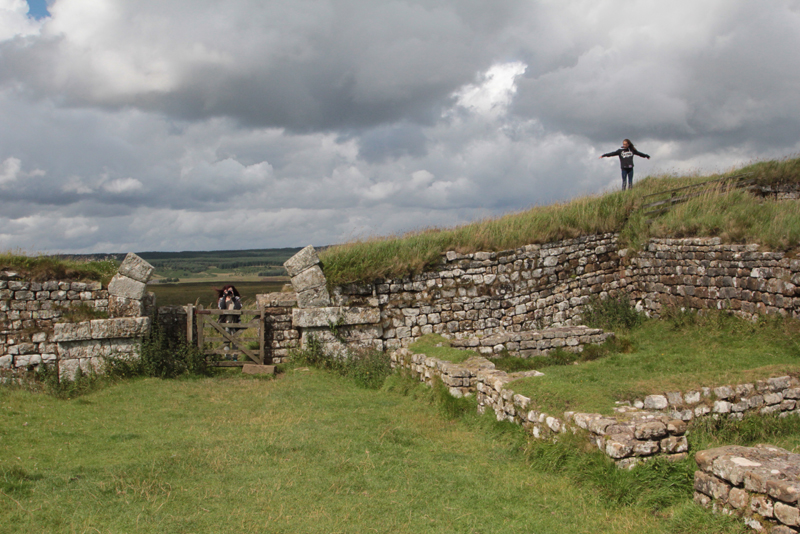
(626, 156)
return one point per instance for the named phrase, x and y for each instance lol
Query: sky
(205, 124)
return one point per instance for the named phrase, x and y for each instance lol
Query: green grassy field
(685, 351)
(306, 453)
(189, 293)
(680, 354)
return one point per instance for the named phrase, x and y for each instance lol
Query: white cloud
(123, 185)
(14, 20)
(10, 170)
(493, 95)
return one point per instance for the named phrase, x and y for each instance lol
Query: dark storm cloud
(196, 125)
(303, 65)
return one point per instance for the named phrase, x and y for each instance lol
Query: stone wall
(493, 293)
(701, 273)
(29, 310)
(32, 331)
(761, 484)
(280, 334)
(509, 296)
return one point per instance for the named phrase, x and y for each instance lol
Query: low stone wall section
(460, 378)
(777, 395)
(655, 425)
(537, 343)
(761, 484)
(31, 315)
(86, 345)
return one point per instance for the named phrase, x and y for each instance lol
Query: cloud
(14, 20)
(242, 124)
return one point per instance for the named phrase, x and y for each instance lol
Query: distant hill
(254, 262)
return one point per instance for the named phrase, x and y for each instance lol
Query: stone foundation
(761, 484)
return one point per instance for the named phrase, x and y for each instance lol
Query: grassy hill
(734, 215)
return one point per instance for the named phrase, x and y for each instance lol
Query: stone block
(314, 298)
(674, 444)
(283, 299)
(122, 286)
(127, 327)
(311, 278)
(71, 331)
(254, 369)
(738, 498)
(711, 486)
(301, 261)
(136, 268)
(651, 430)
(125, 307)
(656, 402)
(619, 446)
(646, 448)
(783, 490)
(676, 427)
(323, 317)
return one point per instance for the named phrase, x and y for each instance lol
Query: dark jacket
(626, 156)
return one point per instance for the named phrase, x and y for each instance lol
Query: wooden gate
(225, 338)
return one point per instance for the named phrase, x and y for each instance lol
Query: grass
(42, 268)
(436, 346)
(734, 216)
(307, 453)
(684, 352)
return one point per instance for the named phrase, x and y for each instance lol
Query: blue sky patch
(37, 9)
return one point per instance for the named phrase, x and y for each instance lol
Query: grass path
(308, 453)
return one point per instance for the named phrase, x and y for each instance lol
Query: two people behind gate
(228, 298)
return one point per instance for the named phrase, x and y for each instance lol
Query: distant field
(182, 294)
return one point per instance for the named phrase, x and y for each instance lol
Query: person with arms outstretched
(626, 154)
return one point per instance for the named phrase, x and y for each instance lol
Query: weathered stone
(738, 498)
(676, 427)
(646, 448)
(301, 261)
(125, 307)
(71, 331)
(311, 278)
(762, 505)
(136, 268)
(787, 491)
(619, 446)
(314, 298)
(281, 299)
(124, 287)
(674, 444)
(786, 514)
(651, 430)
(324, 317)
(711, 486)
(656, 402)
(254, 369)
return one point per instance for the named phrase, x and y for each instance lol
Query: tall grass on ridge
(41, 267)
(733, 215)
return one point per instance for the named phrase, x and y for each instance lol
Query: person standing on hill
(626, 154)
